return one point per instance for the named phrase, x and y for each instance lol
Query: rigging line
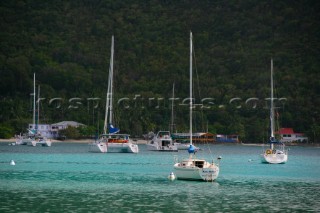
(195, 66)
(198, 87)
(209, 149)
(276, 108)
(193, 88)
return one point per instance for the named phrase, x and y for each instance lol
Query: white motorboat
(162, 141)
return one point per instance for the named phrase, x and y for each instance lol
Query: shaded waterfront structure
(197, 137)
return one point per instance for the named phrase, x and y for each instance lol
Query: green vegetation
(6, 132)
(77, 133)
(67, 45)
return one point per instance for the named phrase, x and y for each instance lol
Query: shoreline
(142, 141)
(286, 144)
(12, 140)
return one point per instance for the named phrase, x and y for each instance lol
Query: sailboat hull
(123, 148)
(114, 147)
(98, 147)
(277, 158)
(42, 142)
(23, 141)
(185, 171)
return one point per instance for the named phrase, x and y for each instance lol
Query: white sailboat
(24, 139)
(33, 137)
(193, 168)
(276, 153)
(110, 140)
(162, 141)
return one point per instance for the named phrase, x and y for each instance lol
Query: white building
(43, 129)
(52, 130)
(288, 135)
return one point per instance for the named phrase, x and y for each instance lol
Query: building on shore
(288, 135)
(52, 130)
(197, 137)
(205, 137)
(227, 138)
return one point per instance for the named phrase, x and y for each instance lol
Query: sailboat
(111, 140)
(33, 137)
(194, 168)
(276, 153)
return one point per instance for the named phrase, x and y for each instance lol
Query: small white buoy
(249, 160)
(171, 176)
(12, 163)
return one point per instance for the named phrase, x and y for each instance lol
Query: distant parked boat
(39, 140)
(33, 137)
(24, 139)
(110, 140)
(276, 153)
(162, 142)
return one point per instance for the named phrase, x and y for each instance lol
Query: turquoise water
(66, 177)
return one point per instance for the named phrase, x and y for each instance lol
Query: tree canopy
(67, 45)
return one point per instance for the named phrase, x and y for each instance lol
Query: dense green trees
(6, 132)
(67, 45)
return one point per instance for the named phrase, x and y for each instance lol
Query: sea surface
(68, 178)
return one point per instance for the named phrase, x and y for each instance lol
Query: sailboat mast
(190, 85)
(34, 100)
(111, 81)
(105, 126)
(271, 105)
(38, 110)
(172, 114)
(109, 92)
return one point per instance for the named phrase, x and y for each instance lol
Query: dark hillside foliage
(67, 45)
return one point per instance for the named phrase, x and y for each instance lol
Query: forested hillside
(67, 44)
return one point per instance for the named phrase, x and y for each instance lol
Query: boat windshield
(163, 134)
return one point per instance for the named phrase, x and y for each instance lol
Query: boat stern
(274, 157)
(98, 147)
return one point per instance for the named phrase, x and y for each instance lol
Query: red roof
(285, 131)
